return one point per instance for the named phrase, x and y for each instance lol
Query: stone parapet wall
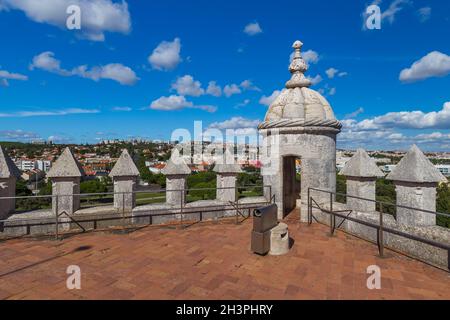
(425, 252)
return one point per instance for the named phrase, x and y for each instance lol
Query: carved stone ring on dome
(298, 105)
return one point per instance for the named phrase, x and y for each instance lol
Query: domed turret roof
(297, 105)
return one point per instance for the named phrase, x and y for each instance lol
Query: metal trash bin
(264, 219)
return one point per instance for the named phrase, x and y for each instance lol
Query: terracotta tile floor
(210, 261)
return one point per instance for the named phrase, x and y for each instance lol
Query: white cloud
(405, 120)
(332, 91)
(122, 109)
(175, 102)
(97, 16)
(393, 9)
(309, 56)
(252, 29)
(248, 85)
(40, 113)
(166, 56)
(6, 75)
(389, 14)
(231, 89)
(213, 89)
(331, 72)
(243, 103)
(354, 113)
(424, 14)
(18, 135)
(267, 101)
(434, 64)
(235, 123)
(113, 71)
(187, 86)
(315, 80)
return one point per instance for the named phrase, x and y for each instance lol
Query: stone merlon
(124, 167)
(66, 166)
(7, 167)
(415, 167)
(361, 165)
(176, 165)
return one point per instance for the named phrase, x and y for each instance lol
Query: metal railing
(380, 227)
(125, 213)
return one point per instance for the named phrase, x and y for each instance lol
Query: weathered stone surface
(7, 167)
(279, 240)
(297, 101)
(415, 167)
(176, 165)
(415, 180)
(361, 172)
(66, 194)
(299, 123)
(66, 175)
(176, 172)
(317, 152)
(227, 169)
(66, 166)
(8, 176)
(124, 176)
(124, 192)
(362, 188)
(416, 195)
(361, 165)
(124, 167)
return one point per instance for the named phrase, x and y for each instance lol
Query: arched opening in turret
(291, 171)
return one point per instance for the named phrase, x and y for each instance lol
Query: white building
(444, 169)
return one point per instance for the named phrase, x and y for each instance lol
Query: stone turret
(415, 180)
(66, 174)
(124, 175)
(361, 172)
(176, 172)
(8, 177)
(227, 169)
(299, 124)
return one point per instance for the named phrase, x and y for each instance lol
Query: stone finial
(7, 167)
(297, 68)
(361, 165)
(227, 164)
(66, 166)
(176, 165)
(415, 167)
(124, 167)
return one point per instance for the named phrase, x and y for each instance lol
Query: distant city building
(444, 169)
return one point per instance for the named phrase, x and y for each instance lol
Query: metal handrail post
(56, 217)
(181, 208)
(332, 216)
(380, 232)
(309, 207)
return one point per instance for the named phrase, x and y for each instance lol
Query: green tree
(443, 205)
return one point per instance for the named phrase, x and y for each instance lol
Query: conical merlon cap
(361, 165)
(176, 165)
(227, 164)
(124, 167)
(7, 167)
(66, 166)
(415, 167)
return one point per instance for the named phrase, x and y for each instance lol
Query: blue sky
(121, 75)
